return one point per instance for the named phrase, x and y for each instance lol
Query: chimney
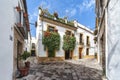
(65, 18)
(75, 23)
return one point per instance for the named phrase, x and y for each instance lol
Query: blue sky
(79, 10)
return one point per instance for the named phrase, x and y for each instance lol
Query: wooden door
(80, 53)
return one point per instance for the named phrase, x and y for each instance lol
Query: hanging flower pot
(25, 15)
(18, 8)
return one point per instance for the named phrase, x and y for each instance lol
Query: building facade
(14, 30)
(107, 27)
(84, 44)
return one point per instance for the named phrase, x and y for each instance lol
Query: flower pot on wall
(25, 15)
(18, 8)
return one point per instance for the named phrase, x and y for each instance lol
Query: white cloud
(33, 15)
(44, 4)
(86, 5)
(71, 12)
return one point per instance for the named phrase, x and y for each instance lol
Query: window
(33, 45)
(51, 28)
(87, 51)
(81, 37)
(87, 41)
(19, 14)
(68, 32)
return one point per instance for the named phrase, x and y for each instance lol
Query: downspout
(106, 38)
(106, 41)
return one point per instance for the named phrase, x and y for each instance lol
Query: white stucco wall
(8, 17)
(7, 21)
(113, 36)
(27, 44)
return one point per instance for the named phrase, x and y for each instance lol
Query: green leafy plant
(69, 42)
(45, 13)
(25, 55)
(51, 41)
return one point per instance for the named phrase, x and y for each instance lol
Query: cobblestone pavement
(84, 69)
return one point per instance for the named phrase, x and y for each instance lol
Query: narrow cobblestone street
(84, 69)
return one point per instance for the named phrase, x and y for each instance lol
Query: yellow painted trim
(58, 23)
(89, 56)
(47, 59)
(51, 26)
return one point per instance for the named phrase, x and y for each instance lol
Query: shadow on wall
(113, 61)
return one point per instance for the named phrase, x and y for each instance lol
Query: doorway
(80, 53)
(67, 54)
(19, 51)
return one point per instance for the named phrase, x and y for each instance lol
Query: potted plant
(24, 56)
(18, 8)
(56, 15)
(24, 70)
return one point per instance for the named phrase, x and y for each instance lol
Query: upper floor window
(33, 45)
(20, 13)
(87, 40)
(51, 28)
(68, 32)
(81, 38)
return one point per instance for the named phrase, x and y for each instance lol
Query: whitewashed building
(84, 45)
(108, 40)
(14, 28)
(85, 42)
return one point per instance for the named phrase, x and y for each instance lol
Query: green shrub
(25, 55)
(51, 41)
(69, 42)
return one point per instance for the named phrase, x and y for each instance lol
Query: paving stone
(30, 77)
(83, 69)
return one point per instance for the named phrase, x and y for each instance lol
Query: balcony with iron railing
(88, 44)
(81, 43)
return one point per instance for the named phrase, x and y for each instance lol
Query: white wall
(113, 36)
(8, 18)
(6, 46)
(28, 43)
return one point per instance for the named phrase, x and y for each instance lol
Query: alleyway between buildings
(84, 69)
